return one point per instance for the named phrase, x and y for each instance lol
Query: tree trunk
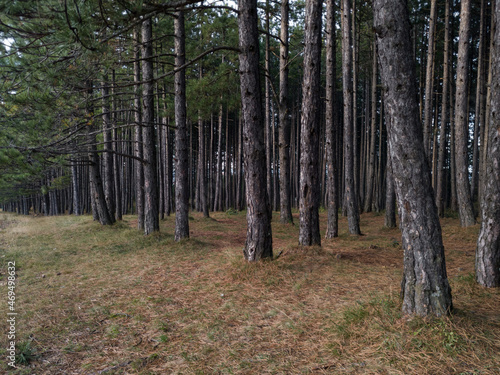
(390, 193)
(440, 188)
(488, 243)
(332, 229)
(107, 157)
(201, 168)
(429, 81)
(259, 235)
(218, 177)
(465, 208)
(151, 214)
(425, 287)
(138, 149)
(309, 142)
(181, 135)
(350, 198)
(479, 106)
(284, 121)
(267, 109)
(116, 158)
(373, 127)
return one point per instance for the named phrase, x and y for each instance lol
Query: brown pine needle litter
(107, 300)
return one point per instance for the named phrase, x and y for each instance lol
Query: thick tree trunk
(332, 229)
(465, 208)
(138, 149)
(425, 287)
(267, 109)
(284, 121)
(350, 198)
(151, 214)
(259, 235)
(488, 243)
(309, 142)
(440, 187)
(181, 136)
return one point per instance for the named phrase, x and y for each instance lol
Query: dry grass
(107, 300)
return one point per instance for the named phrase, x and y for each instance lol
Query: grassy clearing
(107, 300)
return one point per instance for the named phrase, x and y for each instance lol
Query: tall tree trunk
(350, 198)
(332, 229)
(488, 242)
(373, 127)
(284, 121)
(479, 106)
(267, 109)
(99, 207)
(201, 167)
(138, 149)
(218, 177)
(425, 287)
(181, 136)
(429, 81)
(151, 213)
(116, 157)
(465, 208)
(309, 142)
(259, 234)
(107, 157)
(440, 188)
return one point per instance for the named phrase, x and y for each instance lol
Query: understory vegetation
(95, 299)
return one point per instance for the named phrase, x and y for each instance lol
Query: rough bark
(465, 208)
(425, 287)
(259, 235)
(284, 121)
(151, 213)
(350, 199)
(390, 193)
(331, 124)
(309, 142)
(181, 134)
(488, 243)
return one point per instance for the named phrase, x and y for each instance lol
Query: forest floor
(107, 300)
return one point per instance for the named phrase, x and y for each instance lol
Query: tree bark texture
(350, 198)
(465, 208)
(151, 206)
(309, 142)
(284, 121)
(181, 134)
(332, 229)
(425, 287)
(259, 235)
(488, 243)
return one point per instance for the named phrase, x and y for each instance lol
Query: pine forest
(300, 131)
